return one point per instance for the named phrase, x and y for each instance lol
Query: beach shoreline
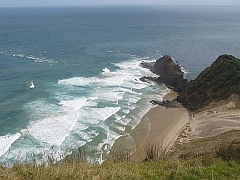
(159, 125)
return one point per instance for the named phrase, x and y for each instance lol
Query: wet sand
(160, 125)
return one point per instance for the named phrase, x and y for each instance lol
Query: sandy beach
(213, 121)
(165, 125)
(160, 125)
(216, 124)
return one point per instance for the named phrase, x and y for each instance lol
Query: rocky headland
(212, 98)
(218, 82)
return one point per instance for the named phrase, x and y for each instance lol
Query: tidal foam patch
(53, 130)
(6, 142)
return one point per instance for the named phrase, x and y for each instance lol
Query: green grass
(191, 169)
(223, 164)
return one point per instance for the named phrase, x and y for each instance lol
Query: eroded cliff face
(215, 83)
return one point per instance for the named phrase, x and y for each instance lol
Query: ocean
(69, 76)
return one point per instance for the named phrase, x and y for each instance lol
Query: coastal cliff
(217, 82)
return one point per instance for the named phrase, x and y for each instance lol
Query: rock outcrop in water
(169, 73)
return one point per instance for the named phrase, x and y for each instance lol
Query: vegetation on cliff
(215, 83)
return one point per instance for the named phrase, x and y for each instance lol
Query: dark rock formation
(147, 79)
(169, 73)
(215, 83)
(147, 65)
(167, 103)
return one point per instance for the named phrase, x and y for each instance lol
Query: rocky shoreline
(168, 104)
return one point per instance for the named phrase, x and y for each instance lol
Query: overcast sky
(20, 3)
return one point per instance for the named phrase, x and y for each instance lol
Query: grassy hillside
(196, 168)
(222, 163)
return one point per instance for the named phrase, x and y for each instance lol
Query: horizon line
(119, 5)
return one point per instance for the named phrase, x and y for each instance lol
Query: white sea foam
(95, 115)
(80, 81)
(130, 91)
(30, 153)
(119, 127)
(114, 80)
(185, 71)
(37, 59)
(124, 121)
(134, 99)
(125, 111)
(117, 117)
(126, 76)
(108, 95)
(91, 104)
(41, 109)
(53, 130)
(87, 136)
(6, 142)
(109, 101)
(73, 105)
(107, 143)
(111, 137)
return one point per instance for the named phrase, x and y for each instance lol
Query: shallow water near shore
(70, 75)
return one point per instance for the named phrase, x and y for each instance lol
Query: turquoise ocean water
(69, 76)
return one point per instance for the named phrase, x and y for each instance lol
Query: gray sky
(20, 3)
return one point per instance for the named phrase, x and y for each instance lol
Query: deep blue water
(83, 62)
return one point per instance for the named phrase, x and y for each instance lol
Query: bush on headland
(215, 83)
